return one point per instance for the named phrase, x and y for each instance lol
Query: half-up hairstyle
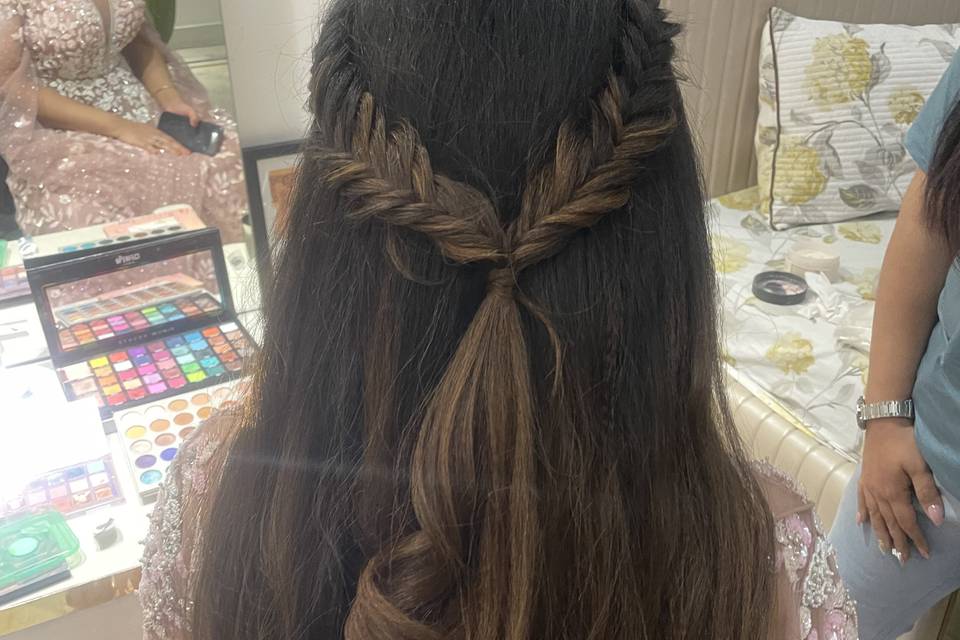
(488, 404)
(943, 183)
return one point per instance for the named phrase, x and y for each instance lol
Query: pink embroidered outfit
(812, 603)
(64, 180)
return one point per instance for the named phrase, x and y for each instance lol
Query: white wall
(191, 13)
(268, 48)
(198, 24)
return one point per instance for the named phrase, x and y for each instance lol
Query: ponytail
(474, 459)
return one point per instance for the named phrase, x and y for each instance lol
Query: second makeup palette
(13, 283)
(152, 434)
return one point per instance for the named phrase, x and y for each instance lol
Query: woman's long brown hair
(942, 198)
(488, 405)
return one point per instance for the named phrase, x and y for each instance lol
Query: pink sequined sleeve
(812, 602)
(168, 560)
(18, 88)
(11, 39)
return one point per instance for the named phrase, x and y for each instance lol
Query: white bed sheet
(810, 358)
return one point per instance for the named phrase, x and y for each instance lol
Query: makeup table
(98, 600)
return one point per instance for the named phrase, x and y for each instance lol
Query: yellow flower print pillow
(836, 101)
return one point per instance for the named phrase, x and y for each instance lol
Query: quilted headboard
(720, 54)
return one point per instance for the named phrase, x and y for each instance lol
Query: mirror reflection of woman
(82, 83)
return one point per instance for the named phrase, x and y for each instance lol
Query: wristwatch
(889, 409)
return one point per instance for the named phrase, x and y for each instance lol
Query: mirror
(127, 273)
(271, 176)
(121, 308)
(95, 151)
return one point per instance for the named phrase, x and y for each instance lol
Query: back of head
(488, 401)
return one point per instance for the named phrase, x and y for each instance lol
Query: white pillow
(836, 101)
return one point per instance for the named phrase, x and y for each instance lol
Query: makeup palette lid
(34, 545)
(107, 300)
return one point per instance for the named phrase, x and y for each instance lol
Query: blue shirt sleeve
(923, 135)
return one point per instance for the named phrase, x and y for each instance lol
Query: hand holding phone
(206, 138)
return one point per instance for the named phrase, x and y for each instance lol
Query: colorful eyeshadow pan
(69, 490)
(159, 368)
(84, 329)
(153, 294)
(153, 434)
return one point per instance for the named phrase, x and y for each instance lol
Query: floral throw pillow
(836, 101)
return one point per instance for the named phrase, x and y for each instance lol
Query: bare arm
(893, 470)
(59, 112)
(150, 66)
(914, 270)
(56, 111)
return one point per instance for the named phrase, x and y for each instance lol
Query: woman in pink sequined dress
(489, 403)
(82, 84)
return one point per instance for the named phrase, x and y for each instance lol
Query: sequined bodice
(79, 39)
(75, 47)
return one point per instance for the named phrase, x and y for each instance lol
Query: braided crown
(387, 176)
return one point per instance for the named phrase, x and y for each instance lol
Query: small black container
(780, 287)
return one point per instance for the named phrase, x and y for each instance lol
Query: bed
(812, 358)
(814, 439)
(794, 373)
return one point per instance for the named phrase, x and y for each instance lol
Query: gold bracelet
(163, 88)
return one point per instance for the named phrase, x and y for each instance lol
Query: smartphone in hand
(206, 138)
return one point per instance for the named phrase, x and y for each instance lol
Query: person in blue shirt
(897, 534)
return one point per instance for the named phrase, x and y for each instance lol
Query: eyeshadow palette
(106, 242)
(83, 332)
(157, 369)
(141, 323)
(152, 434)
(162, 222)
(34, 549)
(70, 490)
(13, 283)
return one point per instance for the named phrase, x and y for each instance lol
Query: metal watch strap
(886, 409)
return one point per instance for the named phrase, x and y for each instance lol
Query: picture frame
(270, 173)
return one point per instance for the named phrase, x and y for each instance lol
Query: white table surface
(131, 518)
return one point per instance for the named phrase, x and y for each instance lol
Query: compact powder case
(780, 288)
